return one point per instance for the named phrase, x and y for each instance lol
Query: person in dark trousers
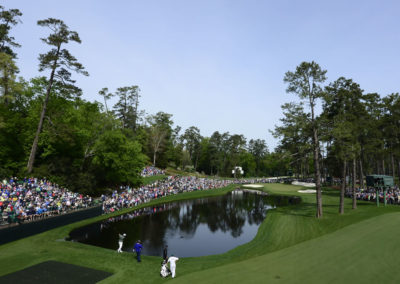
(138, 248)
(165, 253)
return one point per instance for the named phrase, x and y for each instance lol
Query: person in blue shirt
(138, 248)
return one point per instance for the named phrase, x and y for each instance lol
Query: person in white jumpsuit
(121, 241)
(172, 264)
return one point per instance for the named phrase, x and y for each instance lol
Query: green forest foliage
(92, 146)
(359, 133)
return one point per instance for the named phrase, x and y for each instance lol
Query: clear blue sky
(218, 65)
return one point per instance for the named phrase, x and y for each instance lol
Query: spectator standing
(165, 253)
(138, 248)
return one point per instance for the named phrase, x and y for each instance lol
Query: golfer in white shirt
(172, 264)
(121, 241)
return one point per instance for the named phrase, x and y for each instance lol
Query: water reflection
(190, 228)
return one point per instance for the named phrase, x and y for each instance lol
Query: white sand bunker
(308, 191)
(305, 184)
(253, 185)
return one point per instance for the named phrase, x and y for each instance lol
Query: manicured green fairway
(366, 252)
(291, 246)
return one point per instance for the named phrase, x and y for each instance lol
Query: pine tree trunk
(398, 168)
(342, 188)
(136, 114)
(301, 170)
(361, 174)
(317, 174)
(354, 184)
(42, 115)
(105, 104)
(378, 168)
(323, 169)
(393, 170)
(383, 166)
(5, 87)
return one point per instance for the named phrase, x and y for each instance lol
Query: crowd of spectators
(260, 180)
(130, 197)
(369, 194)
(31, 198)
(170, 185)
(151, 171)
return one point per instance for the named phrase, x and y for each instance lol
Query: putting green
(366, 252)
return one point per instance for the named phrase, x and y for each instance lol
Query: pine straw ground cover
(291, 246)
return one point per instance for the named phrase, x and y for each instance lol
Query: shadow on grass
(55, 272)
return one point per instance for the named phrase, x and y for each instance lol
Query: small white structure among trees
(237, 171)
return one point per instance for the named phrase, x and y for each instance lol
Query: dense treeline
(48, 130)
(355, 134)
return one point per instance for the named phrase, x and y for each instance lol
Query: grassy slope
(152, 179)
(341, 252)
(288, 241)
(365, 252)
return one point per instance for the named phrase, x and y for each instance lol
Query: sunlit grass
(290, 246)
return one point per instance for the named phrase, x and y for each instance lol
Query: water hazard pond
(190, 228)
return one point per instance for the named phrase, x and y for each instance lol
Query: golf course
(291, 246)
(199, 142)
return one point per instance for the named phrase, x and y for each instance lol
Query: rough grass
(173, 172)
(152, 179)
(291, 246)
